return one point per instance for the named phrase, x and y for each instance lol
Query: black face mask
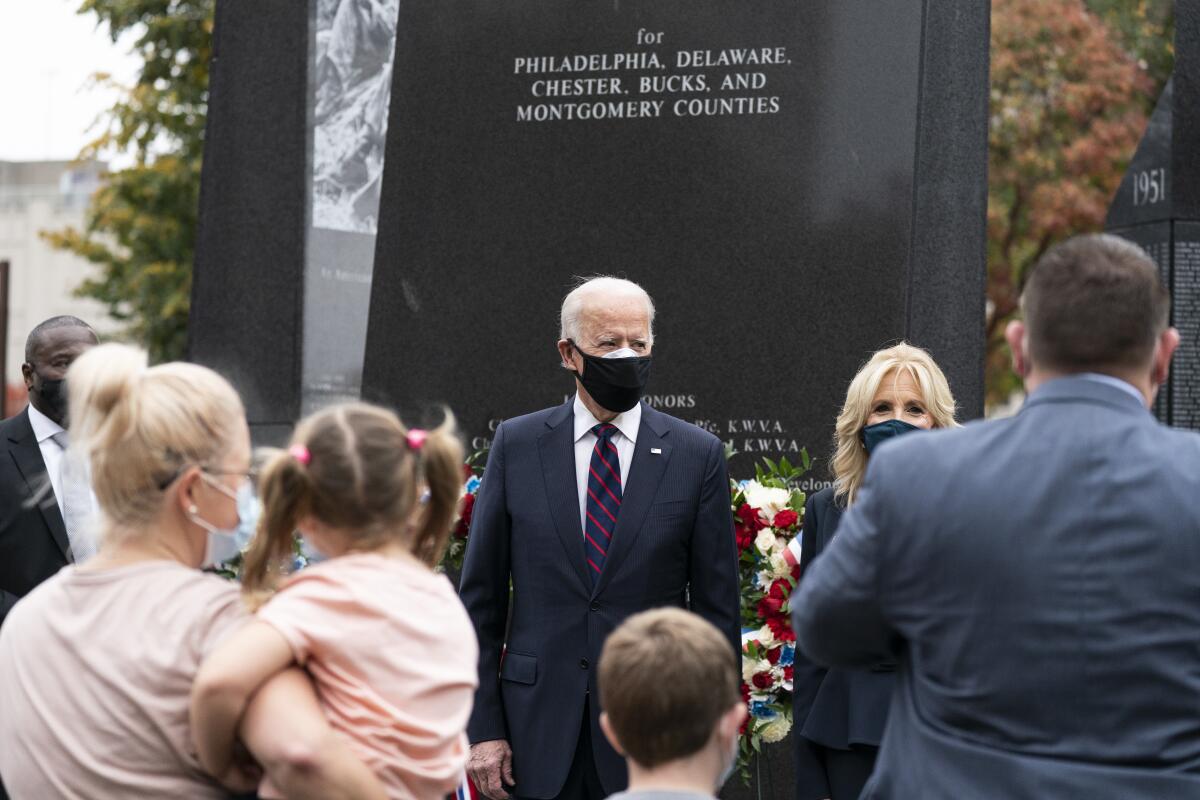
(53, 396)
(615, 383)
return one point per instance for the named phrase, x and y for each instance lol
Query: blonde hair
(362, 477)
(140, 427)
(850, 457)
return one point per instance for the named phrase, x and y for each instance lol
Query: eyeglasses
(249, 475)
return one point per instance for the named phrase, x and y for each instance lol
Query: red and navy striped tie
(603, 498)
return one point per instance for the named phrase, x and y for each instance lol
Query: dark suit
(673, 546)
(33, 538)
(836, 710)
(1039, 578)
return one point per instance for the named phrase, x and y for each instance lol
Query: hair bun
(102, 404)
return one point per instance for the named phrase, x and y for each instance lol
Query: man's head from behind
(670, 690)
(49, 350)
(1094, 303)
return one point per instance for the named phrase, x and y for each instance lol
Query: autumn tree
(140, 226)
(1068, 108)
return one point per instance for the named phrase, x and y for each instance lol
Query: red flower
(788, 673)
(776, 597)
(468, 472)
(751, 517)
(786, 519)
(773, 655)
(762, 680)
(464, 521)
(781, 628)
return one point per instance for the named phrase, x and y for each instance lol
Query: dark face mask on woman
(615, 383)
(872, 435)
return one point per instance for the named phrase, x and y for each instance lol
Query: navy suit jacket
(33, 538)
(1039, 579)
(673, 546)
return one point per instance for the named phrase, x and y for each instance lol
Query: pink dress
(394, 657)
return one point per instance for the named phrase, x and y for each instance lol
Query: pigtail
(286, 490)
(440, 460)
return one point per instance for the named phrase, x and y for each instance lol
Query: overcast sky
(47, 53)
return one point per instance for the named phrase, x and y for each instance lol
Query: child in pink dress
(388, 644)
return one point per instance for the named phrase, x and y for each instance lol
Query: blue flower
(761, 710)
(787, 656)
(473, 484)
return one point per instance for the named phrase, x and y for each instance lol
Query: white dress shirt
(81, 525)
(627, 424)
(44, 429)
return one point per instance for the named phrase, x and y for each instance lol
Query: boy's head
(670, 691)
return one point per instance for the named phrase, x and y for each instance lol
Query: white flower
(775, 729)
(765, 541)
(780, 568)
(765, 637)
(769, 501)
(764, 579)
(749, 668)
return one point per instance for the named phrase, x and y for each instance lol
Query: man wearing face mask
(1036, 577)
(45, 500)
(591, 511)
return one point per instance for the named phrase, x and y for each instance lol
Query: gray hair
(573, 304)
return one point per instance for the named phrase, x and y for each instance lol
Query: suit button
(595, 606)
(583, 663)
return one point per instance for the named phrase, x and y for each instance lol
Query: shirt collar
(1116, 383)
(627, 422)
(43, 426)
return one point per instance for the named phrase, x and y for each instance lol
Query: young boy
(669, 687)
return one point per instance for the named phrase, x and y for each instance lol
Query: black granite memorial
(1158, 207)
(290, 201)
(248, 282)
(796, 184)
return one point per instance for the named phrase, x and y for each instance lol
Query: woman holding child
(97, 663)
(99, 694)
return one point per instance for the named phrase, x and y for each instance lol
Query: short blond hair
(850, 457)
(140, 427)
(666, 678)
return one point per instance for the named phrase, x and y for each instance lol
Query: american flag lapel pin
(656, 451)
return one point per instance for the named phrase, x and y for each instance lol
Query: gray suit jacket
(1038, 580)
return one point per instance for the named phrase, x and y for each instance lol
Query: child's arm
(223, 688)
(286, 731)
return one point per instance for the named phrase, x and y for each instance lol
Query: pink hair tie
(416, 439)
(300, 453)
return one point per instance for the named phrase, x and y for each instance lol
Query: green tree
(1068, 108)
(1146, 30)
(140, 225)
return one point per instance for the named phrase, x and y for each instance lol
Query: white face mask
(225, 544)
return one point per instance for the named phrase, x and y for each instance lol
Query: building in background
(36, 196)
